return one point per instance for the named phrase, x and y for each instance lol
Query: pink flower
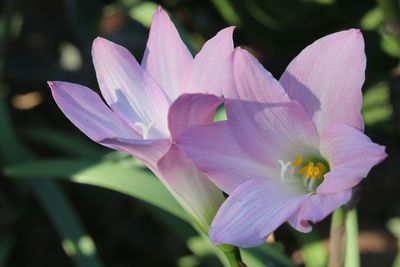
(290, 150)
(136, 120)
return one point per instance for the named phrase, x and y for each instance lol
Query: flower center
(310, 172)
(145, 128)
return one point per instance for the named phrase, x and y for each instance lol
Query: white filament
(284, 167)
(305, 182)
(311, 184)
(145, 128)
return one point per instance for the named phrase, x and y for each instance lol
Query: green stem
(396, 262)
(336, 238)
(233, 255)
(352, 256)
(343, 245)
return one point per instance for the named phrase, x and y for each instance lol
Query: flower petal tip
(102, 43)
(54, 85)
(355, 33)
(355, 30)
(239, 50)
(160, 9)
(50, 84)
(227, 33)
(229, 29)
(241, 53)
(160, 13)
(383, 154)
(98, 40)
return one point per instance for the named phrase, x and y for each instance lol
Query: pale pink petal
(254, 210)
(85, 109)
(166, 57)
(351, 155)
(326, 78)
(205, 75)
(196, 193)
(249, 80)
(265, 122)
(215, 152)
(149, 151)
(271, 131)
(128, 89)
(299, 225)
(316, 208)
(191, 109)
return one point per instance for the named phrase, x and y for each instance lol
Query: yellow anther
(316, 173)
(310, 168)
(321, 167)
(305, 169)
(297, 161)
(310, 171)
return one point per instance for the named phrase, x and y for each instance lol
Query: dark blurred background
(51, 40)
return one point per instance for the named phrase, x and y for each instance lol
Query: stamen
(310, 168)
(297, 161)
(307, 170)
(305, 182)
(284, 167)
(311, 184)
(145, 128)
(303, 170)
(316, 172)
(321, 167)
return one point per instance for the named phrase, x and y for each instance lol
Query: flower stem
(352, 256)
(337, 238)
(343, 245)
(233, 255)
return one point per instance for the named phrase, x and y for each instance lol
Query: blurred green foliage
(47, 219)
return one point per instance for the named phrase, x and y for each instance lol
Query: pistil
(145, 128)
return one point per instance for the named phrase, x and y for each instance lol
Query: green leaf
(51, 197)
(65, 142)
(393, 226)
(376, 104)
(396, 262)
(143, 12)
(76, 243)
(205, 253)
(7, 242)
(121, 175)
(260, 15)
(266, 255)
(312, 249)
(372, 19)
(390, 45)
(250, 259)
(12, 151)
(188, 261)
(227, 11)
(220, 114)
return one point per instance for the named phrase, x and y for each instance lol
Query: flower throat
(310, 172)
